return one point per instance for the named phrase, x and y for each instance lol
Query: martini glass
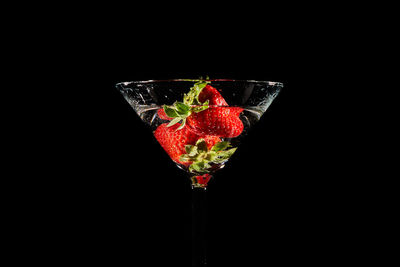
(200, 124)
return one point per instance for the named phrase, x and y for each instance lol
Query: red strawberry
(201, 180)
(212, 95)
(216, 121)
(161, 113)
(173, 141)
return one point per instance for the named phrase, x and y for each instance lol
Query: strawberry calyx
(202, 158)
(179, 111)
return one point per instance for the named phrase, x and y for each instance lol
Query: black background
(281, 198)
(108, 193)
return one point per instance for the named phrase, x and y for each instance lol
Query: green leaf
(197, 166)
(182, 108)
(206, 165)
(225, 155)
(201, 145)
(200, 166)
(191, 150)
(179, 111)
(198, 109)
(170, 112)
(221, 146)
(182, 124)
(174, 121)
(211, 156)
(192, 98)
(185, 158)
(200, 140)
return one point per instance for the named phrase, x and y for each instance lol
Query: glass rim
(271, 83)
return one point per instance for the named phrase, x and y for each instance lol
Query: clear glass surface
(200, 124)
(148, 97)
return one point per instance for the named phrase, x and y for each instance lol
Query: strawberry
(212, 95)
(192, 137)
(161, 113)
(205, 112)
(216, 121)
(174, 141)
(207, 93)
(200, 97)
(201, 180)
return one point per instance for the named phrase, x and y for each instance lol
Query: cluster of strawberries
(217, 120)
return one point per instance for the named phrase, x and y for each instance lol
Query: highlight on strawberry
(217, 121)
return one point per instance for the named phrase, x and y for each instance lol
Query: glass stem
(199, 212)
